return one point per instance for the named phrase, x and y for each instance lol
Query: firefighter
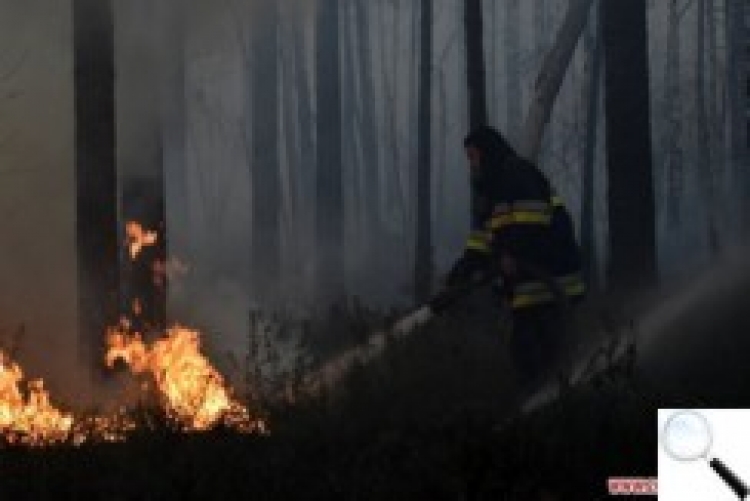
(521, 231)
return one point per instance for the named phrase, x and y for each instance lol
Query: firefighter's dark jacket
(515, 211)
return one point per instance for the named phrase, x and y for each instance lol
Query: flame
(191, 390)
(28, 419)
(194, 393)
(138, 238)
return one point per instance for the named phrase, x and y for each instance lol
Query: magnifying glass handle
(732, 480)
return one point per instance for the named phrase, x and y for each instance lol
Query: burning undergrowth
(192, 392)
(26, 414)
(183, 390)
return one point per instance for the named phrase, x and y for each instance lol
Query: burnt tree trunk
(96, 176)
(141, 135)
(475, 71)
(266, 182)
(631, 215)
(329, 224)
(424, 268)
(173, 119)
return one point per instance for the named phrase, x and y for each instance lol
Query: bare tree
(548, 82)
(306, 130)
(716, 109)
(593, 44)
(512, 44)
(673, 114)
(329, 190)
(475, 71)
(737, 84)
(632, 232)
(424, 267)
(368, 132)
(266, 183)
(173, 126)
(703, 157)
(96, 176)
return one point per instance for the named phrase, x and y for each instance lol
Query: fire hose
(334, 370)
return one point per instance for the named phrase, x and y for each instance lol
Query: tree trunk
(140, 136)
(354, 230)
(424, 262)
(266, 182)
(293, 257)
(632, 229)
(594, 74)
(737, 101)
(173, 131)
(306, 129)
(475, 72)
(549, 80)
(369, 138)
(513, 94)
(716, 110)
(96, 175)
(674, 164)
(329, 189)
(703, 158)
(542, 36)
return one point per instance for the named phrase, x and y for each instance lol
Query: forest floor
(428, 421)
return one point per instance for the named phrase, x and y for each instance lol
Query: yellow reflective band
(564, 282)
(556, 201)
(525, 300)
(478, 241)
(534, 293)
(520, 217)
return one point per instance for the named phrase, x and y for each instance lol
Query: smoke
(694, 343)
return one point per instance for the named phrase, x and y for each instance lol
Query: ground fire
(193, 392)
(27, 417)
(189, 390)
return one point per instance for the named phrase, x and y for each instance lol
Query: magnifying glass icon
(687, 436)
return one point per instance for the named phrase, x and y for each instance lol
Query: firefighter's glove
(464, 270)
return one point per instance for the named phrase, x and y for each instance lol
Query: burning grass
(192, 394)
(192, 391)
(182, 383)
(28, 417)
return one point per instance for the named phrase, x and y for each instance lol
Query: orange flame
(193, 391)
(137, 238)
(30, 419)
